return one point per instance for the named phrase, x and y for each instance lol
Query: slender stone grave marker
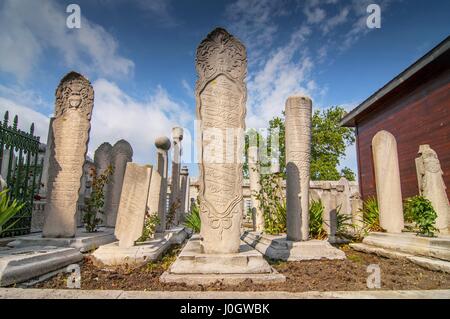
(387, 181)
(218, 253)
(71, 126)
(255, 187)
(432, 186)
(184, 191)
(177, 135)
(357, 213)
(121, 154)
(102, 160)
(298, 153)
(133, 203)
(157, 197)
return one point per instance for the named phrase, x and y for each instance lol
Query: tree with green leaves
(328, 144)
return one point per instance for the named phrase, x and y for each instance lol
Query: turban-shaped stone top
(162, 142)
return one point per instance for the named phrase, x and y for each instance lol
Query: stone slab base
(140, 254)
(425, 262)
(176, 235)
(83, 241)
(21, 264)
(193, 267)
(277, 247)
(410, 243)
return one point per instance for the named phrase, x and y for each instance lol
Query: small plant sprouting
(151, 221)
(420, 211)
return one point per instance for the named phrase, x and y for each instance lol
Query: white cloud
(29, 29)
(119, 116)
(338, 19)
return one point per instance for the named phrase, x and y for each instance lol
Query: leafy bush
(151, 221)
(316, 230)
(371, 215)
(420, 211)
(193, 220)
(96, 201)
(8, 209)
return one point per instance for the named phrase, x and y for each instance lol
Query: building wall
(421, 116)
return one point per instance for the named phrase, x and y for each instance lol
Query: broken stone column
(298, 149)
(133, 203)
(432, 186)
(71, 126)
(184, 191)
(255, 187)
(387, 181)
(357, 213)
(221, 98)
(121, 154)
(177, 136)
(158, 186)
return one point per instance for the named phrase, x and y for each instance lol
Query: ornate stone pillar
(298, 149)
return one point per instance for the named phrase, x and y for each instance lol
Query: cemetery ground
(317, 275)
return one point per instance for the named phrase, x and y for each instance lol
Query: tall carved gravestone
(431, 184)
(121, 154)
(221, 96)
(102, 160)
(298, 152)
(255, 187)
(175, 200)
(158, 187)
(387, 182)
(71, 126)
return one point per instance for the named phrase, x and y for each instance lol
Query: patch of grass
(355, 258)
(167, 259)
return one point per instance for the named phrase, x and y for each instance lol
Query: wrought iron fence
(19, 162)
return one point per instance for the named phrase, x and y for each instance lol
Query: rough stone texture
(410, 243)
(432, 186)
(425, 262)
(255, 186)
(71, 126)
(387, 180)
(102, 160)
(20, 264)
(175, 199)
(45, 165)
(357, 214)
(344, 197)
(279, 248)
(138, 255)
(133, 204)
(177, 235)
(158, 185)
(82, 241)
(298, 152)
(194, 267)
(121, 154)
(221, 65)
(329, 202)
(184, 192)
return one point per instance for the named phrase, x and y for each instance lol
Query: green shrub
(151, 221)
(371, 219)
(420, 211)
(8, 209)
(193, 220)
(316, 230)
(96, 201)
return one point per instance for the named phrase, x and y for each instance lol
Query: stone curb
(19, 293)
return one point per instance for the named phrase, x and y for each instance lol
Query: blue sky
(140, 54)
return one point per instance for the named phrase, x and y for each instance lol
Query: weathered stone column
(102, 160)
(44, 179)
(71, 126)
(255, 186)
(221, 97)
(177, 136)
(121, 154)
(298, 149)
(158, 187)
(387, 180)
(184, 185)
(357, 214)
(432, 186)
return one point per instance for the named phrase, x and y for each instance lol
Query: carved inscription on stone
(71, 126)
(221, 97)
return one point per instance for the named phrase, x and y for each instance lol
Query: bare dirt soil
(323, 275)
